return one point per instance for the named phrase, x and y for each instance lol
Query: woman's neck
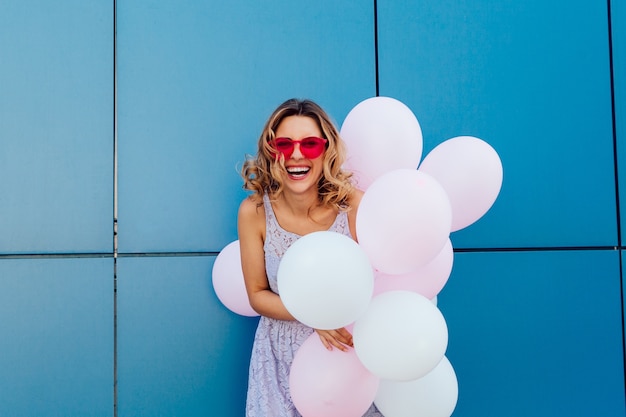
(300, 204)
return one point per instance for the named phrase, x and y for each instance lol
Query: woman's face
(302, 174)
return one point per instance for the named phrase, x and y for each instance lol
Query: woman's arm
(251, 228)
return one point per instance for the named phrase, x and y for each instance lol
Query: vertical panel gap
(376, 46)
(115, 194)
(616, 172)
(614, 123)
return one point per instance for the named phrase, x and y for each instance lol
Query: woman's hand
(339, 338)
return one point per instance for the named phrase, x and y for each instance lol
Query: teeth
(297, 170)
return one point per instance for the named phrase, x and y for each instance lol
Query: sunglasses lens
(284, 146)
(312, 147)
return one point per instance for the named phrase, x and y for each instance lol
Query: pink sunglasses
(311, 147)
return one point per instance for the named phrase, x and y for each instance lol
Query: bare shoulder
(355, 199)
(251, 207)
(251, 213)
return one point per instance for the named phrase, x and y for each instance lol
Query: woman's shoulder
(251, 207)
(355, 199)
(353, 203)
(251, 216)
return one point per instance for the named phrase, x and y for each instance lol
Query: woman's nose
(296, 151)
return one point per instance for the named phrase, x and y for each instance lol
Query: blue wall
(534, 303)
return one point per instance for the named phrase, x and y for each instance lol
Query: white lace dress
(276, 341)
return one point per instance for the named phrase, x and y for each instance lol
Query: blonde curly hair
(262, 172)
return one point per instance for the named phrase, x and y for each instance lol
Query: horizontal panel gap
(215, 253)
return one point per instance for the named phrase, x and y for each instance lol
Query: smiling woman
(302, 157)
(298, 187)
(289, 138)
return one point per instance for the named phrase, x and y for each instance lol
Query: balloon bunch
(384, 288)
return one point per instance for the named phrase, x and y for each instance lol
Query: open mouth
(298, 172)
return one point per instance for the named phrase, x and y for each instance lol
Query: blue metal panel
(56, 126)
(180, 352)
(197, 81)
(532, 79)
(57, 337)
(536, 333)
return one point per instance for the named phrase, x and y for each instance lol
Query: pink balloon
(470, 171)
(381, 134)
(403, 221)
(332, 383)
(427, 280)
(228, 281)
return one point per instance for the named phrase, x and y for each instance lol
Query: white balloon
(470, 171)
(433, 395)
(381, 134)
(228, 281)
(403, 221)
(325, 280)
(402, 336)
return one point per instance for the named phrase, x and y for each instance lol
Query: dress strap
(342, 225)
(270, 217)
(267, 205)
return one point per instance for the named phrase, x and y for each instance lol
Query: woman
(298, 187)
